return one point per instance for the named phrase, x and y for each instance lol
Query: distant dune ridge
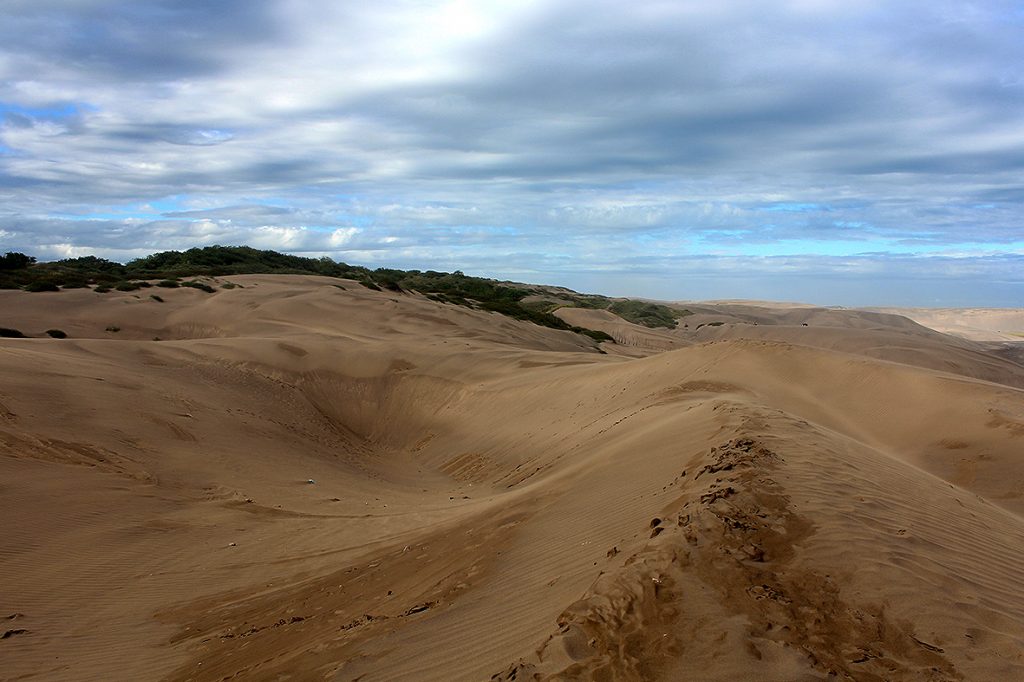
(305, 478)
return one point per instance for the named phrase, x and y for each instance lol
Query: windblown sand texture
(307, 481)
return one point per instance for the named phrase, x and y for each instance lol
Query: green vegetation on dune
(236, 260)
(473, 292)
(19, 271)
(195, 284)
(41, 285)
(647, 314)
(638, 312)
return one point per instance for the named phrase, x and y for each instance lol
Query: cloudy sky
(827, 151)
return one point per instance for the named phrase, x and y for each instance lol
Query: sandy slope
(495, 500)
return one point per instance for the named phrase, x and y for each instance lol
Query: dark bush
(89, 265)
(156, 298)
(168, 283)
(12, 260)
(389, 279)
(127, 286)
(595, 334)
(57, 333)
(102, 289)
(11, 333)
(113, 328)
(41, 285)
(199, 285)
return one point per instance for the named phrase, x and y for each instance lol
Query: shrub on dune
(41, 285)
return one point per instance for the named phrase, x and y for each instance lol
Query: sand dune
(977, 324)
(305, 481)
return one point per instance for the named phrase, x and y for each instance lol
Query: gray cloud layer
(592, 135)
